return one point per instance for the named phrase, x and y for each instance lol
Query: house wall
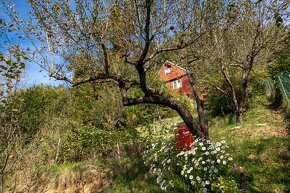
(186, 88)
(175, 74)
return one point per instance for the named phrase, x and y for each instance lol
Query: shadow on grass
(267, 160)
(131, 175)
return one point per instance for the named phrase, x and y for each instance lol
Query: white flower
(221, 157)
(218, 161)
(203, 148)
(207, 182)
(182, 172)
(159, 179)
(168, 161)
(218, 144)
(191, 177)
(230, 159)
(163, 187)
(180, 154)
(218, 149)
(200, 144)
(223, 141)
(192, 151)
(205, 168)
(224, 162)
(203, 162)
(215, 170)
(197, 178)
(206, 153)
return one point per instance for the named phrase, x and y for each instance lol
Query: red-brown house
(176, 79)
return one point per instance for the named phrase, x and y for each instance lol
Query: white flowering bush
(195, 170)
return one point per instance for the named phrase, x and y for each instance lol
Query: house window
(177, 84)
(167, 71)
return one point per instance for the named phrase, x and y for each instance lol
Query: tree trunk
(164, 99)
(239, 116)
(242, 107)
(203, 123)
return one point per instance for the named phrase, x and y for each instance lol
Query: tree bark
(203, 123)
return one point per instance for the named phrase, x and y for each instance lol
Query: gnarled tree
(118, 42)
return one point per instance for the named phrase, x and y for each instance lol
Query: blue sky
(33, 74)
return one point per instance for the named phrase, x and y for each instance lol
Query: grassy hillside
(260, 148)
(260, 145)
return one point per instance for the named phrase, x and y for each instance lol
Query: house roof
(171, 64)
(176, 76)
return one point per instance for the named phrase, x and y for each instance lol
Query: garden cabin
(176, 79)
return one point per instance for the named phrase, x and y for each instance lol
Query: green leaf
(3, 67)
(22, 65)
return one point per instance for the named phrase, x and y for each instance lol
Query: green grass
(131, 175)
(261, 150)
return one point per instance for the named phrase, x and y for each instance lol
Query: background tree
(241, 41)
(12, 59)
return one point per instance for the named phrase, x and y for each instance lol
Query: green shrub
(83, 142)
(37, 104)
(220, 104)
(276, 98)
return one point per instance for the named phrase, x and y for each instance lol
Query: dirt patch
(88, 179)
(272, 131)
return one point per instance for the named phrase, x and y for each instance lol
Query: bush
(84, 142)
(276, 98)
(198, 169)
(221, 104)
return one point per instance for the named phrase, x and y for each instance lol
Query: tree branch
(107, 67)
(173, 48)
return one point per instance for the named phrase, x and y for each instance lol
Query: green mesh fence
(283, 82)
